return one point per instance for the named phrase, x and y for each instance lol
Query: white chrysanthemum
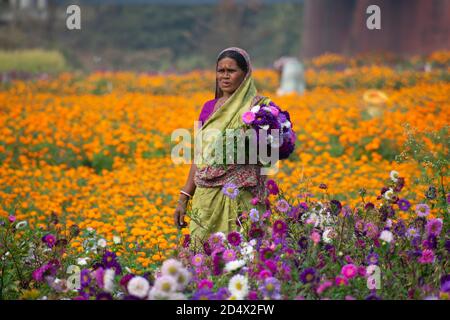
(166, 284)
(171, 267)
(389, 194)
(183, 278)
(328, 235)
(116, 240)
(155, 294)
(82, 261)
(386, 235)
(234, 265)
(220, 235)
(102, 243)
(108, 280)
(138, 287)
(238, 286)
(314, 219)
(247, 251)
(21, 224)
(286, 124)
(255, 109)
(394, 175)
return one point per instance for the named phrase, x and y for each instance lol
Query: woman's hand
(180, 212)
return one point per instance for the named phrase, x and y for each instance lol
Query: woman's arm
(189, 187)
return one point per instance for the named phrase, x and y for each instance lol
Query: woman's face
(229, 75)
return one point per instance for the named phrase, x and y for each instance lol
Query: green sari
(214, 211)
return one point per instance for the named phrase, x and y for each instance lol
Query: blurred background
(176, 35)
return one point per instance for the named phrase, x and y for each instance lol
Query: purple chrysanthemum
(230, 190)
(279, 227)
(255, 232)
(248, 117)
(404, 204)
(434, 227)
(229, 255)
(266, 254)
(372, 258)
(427, 256)
(282, 206)
(85, 278)
(49, 239)
(271, 288)
(205, 284)
(234, 238)
(197, 260)
(349, 271)
(222, 294)
(203, 294)
(272, 187)
(254, 215)
(109, 259)
(422, 209)
(308, 275)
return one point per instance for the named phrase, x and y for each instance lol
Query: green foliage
(34, 61)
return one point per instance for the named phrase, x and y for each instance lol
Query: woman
(215, 211)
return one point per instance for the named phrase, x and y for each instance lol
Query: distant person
(292, 78)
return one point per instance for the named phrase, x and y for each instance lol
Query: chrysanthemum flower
(404, 204)
(205, 283)
(229, 255)
(197, 260)
(138, 287)
(340, 281)
(394, 175)
(234, 238)
(349, 271)
(108, 280)
(308, 275)
(183, 278)
(372, 259)
(427, 256)
(234, 265)
(238, 286)
(386, 235)
(165, 284)
(171, 267)
(271, 288)
(248, 117)
(279, 227)
(272, 187)
(254, 215)
(422, 209)
(49, 239)
(230, 190)
(434, 227)
(283, 206)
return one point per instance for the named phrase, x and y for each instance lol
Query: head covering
(246, 56)
(228, 116)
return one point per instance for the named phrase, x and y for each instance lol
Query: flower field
(88, 189)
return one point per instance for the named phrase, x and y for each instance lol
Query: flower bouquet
(269, 117)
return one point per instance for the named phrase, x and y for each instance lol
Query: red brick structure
(408, 27)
